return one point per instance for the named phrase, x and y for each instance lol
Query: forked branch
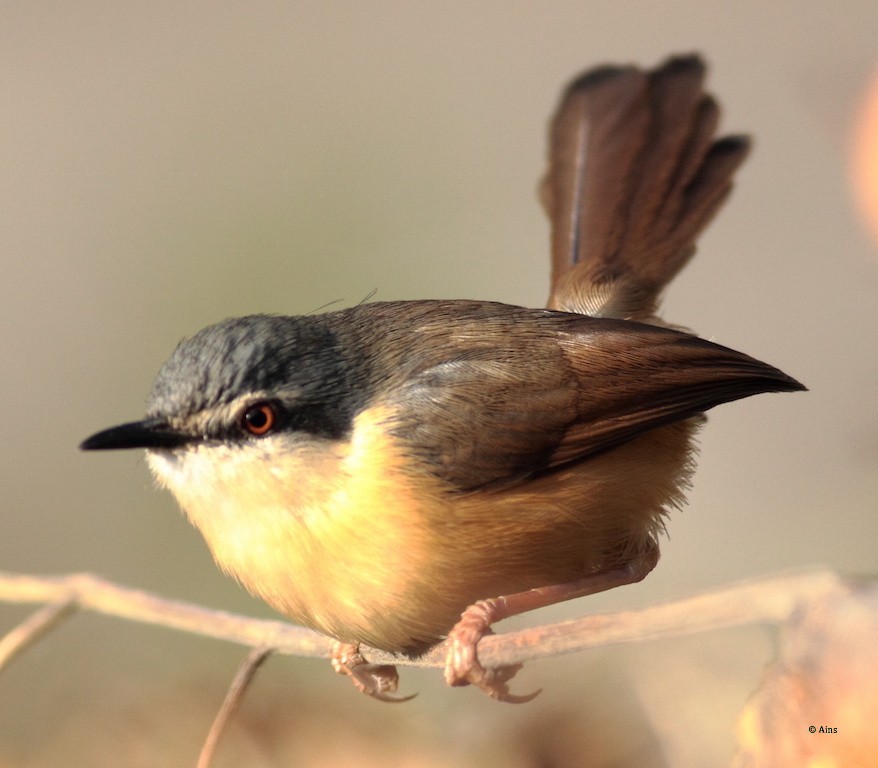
(771, 600)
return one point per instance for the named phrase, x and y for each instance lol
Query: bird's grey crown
(258, 353)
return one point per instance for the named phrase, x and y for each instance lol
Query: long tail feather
(635, 174)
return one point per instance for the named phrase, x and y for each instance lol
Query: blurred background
(169, 164)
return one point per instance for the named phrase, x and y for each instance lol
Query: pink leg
(462, 665)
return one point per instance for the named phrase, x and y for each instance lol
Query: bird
(400, 473)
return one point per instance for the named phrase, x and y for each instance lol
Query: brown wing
(635, 174)
(526, 391)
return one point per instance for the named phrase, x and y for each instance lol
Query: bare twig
(33, 628)
(233, 698)
(767, 600)
(772, 600)
(91, 593)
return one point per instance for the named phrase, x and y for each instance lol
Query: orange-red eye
(259, 419)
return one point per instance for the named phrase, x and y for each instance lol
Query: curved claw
(376, 680)
(493, 682)
(462, 665)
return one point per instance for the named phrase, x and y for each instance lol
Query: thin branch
(230, 704)
(33, 628)
(91, 593)
(772, 600)
(767, 600)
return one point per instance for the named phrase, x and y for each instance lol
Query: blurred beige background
(166, 165)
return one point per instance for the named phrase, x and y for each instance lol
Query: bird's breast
(334, 534)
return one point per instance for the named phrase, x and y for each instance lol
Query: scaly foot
(376, 680)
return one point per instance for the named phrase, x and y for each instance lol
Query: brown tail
(635, 173)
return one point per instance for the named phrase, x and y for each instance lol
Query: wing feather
(522, 392)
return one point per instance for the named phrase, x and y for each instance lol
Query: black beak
(149, 433)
